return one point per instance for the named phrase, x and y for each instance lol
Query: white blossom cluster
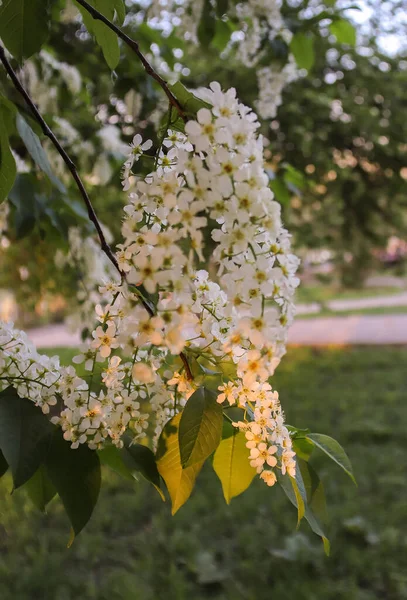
(271, 82)
(208, 194)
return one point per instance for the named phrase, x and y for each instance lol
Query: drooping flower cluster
(208, 196)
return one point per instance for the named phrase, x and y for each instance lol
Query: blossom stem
(135, 47)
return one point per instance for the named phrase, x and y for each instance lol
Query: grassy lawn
(134, 550)
(325, 293)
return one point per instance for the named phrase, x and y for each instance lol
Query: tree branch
(72, 168)
(135, 47)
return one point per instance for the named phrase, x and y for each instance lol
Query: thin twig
(67, 160)
(136, 48)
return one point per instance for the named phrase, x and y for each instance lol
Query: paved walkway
(355, 303)
(320, 331)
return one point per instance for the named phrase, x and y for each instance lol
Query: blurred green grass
(134, 550)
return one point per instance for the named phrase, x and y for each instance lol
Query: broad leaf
(231, 464)
(334, 450)
(105, 37)
(24, 26)
(76, 477)
(302, 46)
(37, 152)
(200, 428)
(40, 489)
(8, 169)
(25, 435)
(142, 460)
(344, 31)
(179, 481)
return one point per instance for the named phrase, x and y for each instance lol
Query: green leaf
(141, 459)
(3, 464)
(105, 37)
(344, 32)
(231, 464)
(28, 209)
(315, 490)
(37, 152)
(334, 450)
(120, 9)
(302, 46)
(24, 26)
(207, 25)
(291, 494)
(8, 169)
(280, 190)
(190, 103)
(222, 35)
(113, 458)
(76, 477)
(200, 428)
(302, 447)
(25, 435)
(180, 482)
(40, 489)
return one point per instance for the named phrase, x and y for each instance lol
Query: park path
(318, 331)
(384, 301)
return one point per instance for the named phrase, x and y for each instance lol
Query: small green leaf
(24, 26)
(334, 450)
(190, 103)
(120, 9)
(344, 32)
(302, 46)
(180, 482)
(280, 190)
(8, 169)
(222, 35)
(40, 489)
(105, 37)
(231, 464)
(25, 435)
(141, 459)
(76, 477)
(200, 428)
(37, 152)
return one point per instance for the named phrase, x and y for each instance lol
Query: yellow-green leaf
(231, 464)
(179, 481)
